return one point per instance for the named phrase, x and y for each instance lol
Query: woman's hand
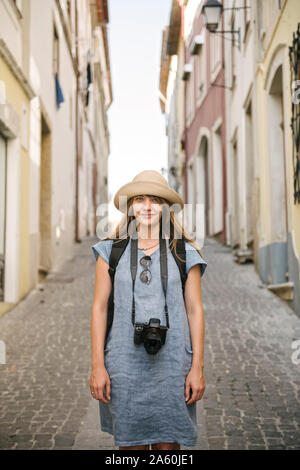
(98, 381)
(195, 381)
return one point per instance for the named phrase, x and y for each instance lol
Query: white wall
(236, 126)
(43, 16)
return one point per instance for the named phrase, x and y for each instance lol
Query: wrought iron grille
(294, 53)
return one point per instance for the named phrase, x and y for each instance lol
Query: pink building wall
(211, 108)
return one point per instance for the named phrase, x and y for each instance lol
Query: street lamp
(212, 11)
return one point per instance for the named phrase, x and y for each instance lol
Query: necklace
(148, 248)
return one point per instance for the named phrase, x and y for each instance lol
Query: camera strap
(163, 272)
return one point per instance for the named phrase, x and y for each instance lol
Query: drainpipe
(77, 239)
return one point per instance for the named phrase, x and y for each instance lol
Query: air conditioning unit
(187, 70)
(197, 43)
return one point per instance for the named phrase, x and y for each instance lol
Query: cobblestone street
(252, 392)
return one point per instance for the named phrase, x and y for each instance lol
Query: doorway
(45, 200)
(202, 183)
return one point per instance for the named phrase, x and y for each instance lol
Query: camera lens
(152, 342)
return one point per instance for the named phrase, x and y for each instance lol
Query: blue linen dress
(147, 402)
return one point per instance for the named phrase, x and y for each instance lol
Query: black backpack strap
(118, 248)
(180, 249)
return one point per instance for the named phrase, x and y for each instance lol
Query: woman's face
(147, 209)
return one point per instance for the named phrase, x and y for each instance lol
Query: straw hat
(148, 182)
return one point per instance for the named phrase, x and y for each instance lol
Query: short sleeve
(102, 248)
(193, 258)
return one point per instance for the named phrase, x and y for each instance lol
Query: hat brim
(155, 189)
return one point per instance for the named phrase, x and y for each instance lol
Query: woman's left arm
(193, 302)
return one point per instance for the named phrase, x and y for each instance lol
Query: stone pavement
(252, 392)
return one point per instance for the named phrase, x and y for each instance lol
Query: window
(190, 99)
(192, 96)
(200, 75)
(55, 52)
(59, 93)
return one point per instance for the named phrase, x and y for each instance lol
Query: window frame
(55, 51)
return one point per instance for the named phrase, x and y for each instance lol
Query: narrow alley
(252, 392)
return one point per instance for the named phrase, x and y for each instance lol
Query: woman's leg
(146, 447)
(165, 446)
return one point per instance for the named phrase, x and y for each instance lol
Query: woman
(148, 398)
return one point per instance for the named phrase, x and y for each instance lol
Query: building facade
(55, 82)
(171, 89)
(277, 253)
(205, 179)
(241, 133)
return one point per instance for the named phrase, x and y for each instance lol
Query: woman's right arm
(99, 376)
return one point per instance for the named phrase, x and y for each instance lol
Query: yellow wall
(16, 97)
(283, 34)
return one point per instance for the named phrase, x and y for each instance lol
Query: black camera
(151, 333)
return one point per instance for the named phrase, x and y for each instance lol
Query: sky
(136, 123)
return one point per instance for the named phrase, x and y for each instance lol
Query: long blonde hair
(121, 230)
